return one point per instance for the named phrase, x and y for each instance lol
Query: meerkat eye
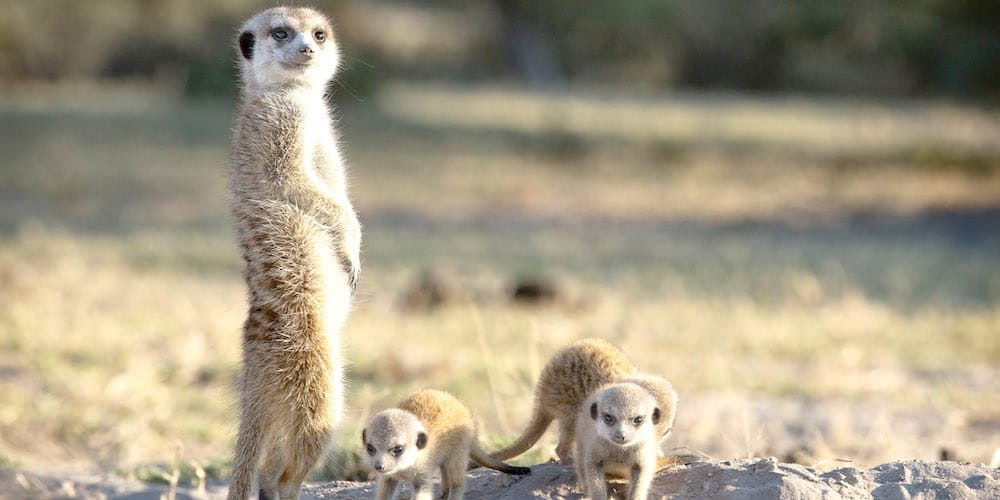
(279, 34)
(397, 451)
(637, 421)
(608, 419)
(320, 36)
(370, 449)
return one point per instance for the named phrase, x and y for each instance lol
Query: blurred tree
(855, 46)
(529, 49)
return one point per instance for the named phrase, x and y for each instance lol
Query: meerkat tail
(478, 455)
(539, 423)
(672, 460)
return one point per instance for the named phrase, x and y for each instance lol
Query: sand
(763, 478)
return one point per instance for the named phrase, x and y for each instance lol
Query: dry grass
(810, 297)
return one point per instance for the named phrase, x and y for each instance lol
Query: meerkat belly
(619, 460)
(617, 468)
(298, 295)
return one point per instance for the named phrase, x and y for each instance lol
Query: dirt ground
(763, 478)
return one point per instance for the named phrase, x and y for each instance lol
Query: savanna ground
(819, 278)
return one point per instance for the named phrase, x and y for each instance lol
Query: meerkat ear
(364, 440)
(593, 411)
(421, 440)
(246, 44)
(656, 416)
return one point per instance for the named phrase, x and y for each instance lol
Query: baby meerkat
(569, 377)
(427, 431)
(300, 242)
(616, 434)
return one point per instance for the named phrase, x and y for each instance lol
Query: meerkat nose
(305, 49)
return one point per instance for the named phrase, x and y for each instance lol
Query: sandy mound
(735, 479)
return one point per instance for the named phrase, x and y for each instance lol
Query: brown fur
(566, 381)
(432, 430)
(300, 240)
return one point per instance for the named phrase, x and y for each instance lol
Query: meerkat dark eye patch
(320, 36)
(279, 34)
(246, 44)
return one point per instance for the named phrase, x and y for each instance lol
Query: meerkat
(427, 431)
(300, 242)
(617, 434)
(566, 381)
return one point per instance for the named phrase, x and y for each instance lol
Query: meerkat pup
(567, 379)
(427, 431)
(299, 238)
(616, 434)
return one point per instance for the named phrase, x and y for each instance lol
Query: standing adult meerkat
(300, 241)
(566, 381)
(427, 431)
(616, 434)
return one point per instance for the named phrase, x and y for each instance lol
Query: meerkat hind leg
(453, 477)
(310, 445)
(270, 471)
(250, 442)
(564, 450)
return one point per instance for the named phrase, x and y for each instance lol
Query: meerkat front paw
(352, 276)
(351, 250)
(351, 266)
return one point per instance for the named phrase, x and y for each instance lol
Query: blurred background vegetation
(789, 208)
(856, 47)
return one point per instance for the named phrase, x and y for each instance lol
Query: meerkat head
(624, 414)
(287, 47)
(393, 440)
